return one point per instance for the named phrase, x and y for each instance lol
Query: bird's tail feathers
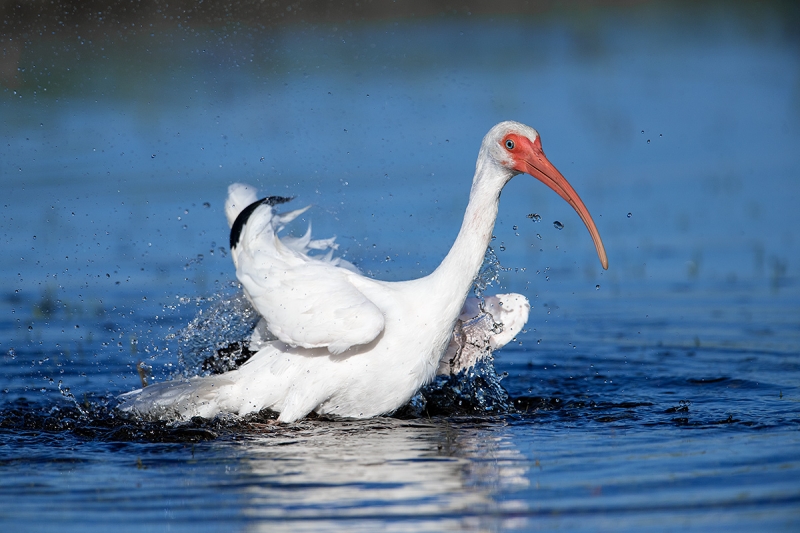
(240, 195)
(175, 400)
(280, 220)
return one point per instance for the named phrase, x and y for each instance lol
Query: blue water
(662, 394)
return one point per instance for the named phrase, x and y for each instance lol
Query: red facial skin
(529, 158)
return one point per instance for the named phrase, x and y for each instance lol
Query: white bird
(335, 342)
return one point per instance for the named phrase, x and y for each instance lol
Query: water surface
(661, 394)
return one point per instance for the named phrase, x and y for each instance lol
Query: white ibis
(335, 342)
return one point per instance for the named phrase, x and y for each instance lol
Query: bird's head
(517, 149)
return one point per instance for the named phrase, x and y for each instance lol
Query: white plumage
(348, 345)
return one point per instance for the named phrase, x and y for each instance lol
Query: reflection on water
(370, 470)
(432, 475)
(661, 393)
(407, 475)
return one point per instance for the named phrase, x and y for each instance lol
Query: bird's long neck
(454, 277)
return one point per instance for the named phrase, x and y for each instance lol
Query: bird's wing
(483, 327)
(307, 301)
(511, 310)
(310, 305)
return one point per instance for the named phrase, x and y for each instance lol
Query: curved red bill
(531, 160)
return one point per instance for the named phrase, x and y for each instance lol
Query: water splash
(475, 391)
(67, 394)
(208, 343)
(488, 274)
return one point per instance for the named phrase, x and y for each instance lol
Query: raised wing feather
(306, 301)
(483, 327)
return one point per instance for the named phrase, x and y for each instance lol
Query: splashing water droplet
(539, 236)
(477, 390)
(515, 228)
(558, 225)
(209, 337)
(488, 274)
(648, 141)
(629, 215)
(535, 217)
(597, 287)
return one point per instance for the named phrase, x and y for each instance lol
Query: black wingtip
(244, 216)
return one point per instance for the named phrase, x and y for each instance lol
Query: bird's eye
(509, 144)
